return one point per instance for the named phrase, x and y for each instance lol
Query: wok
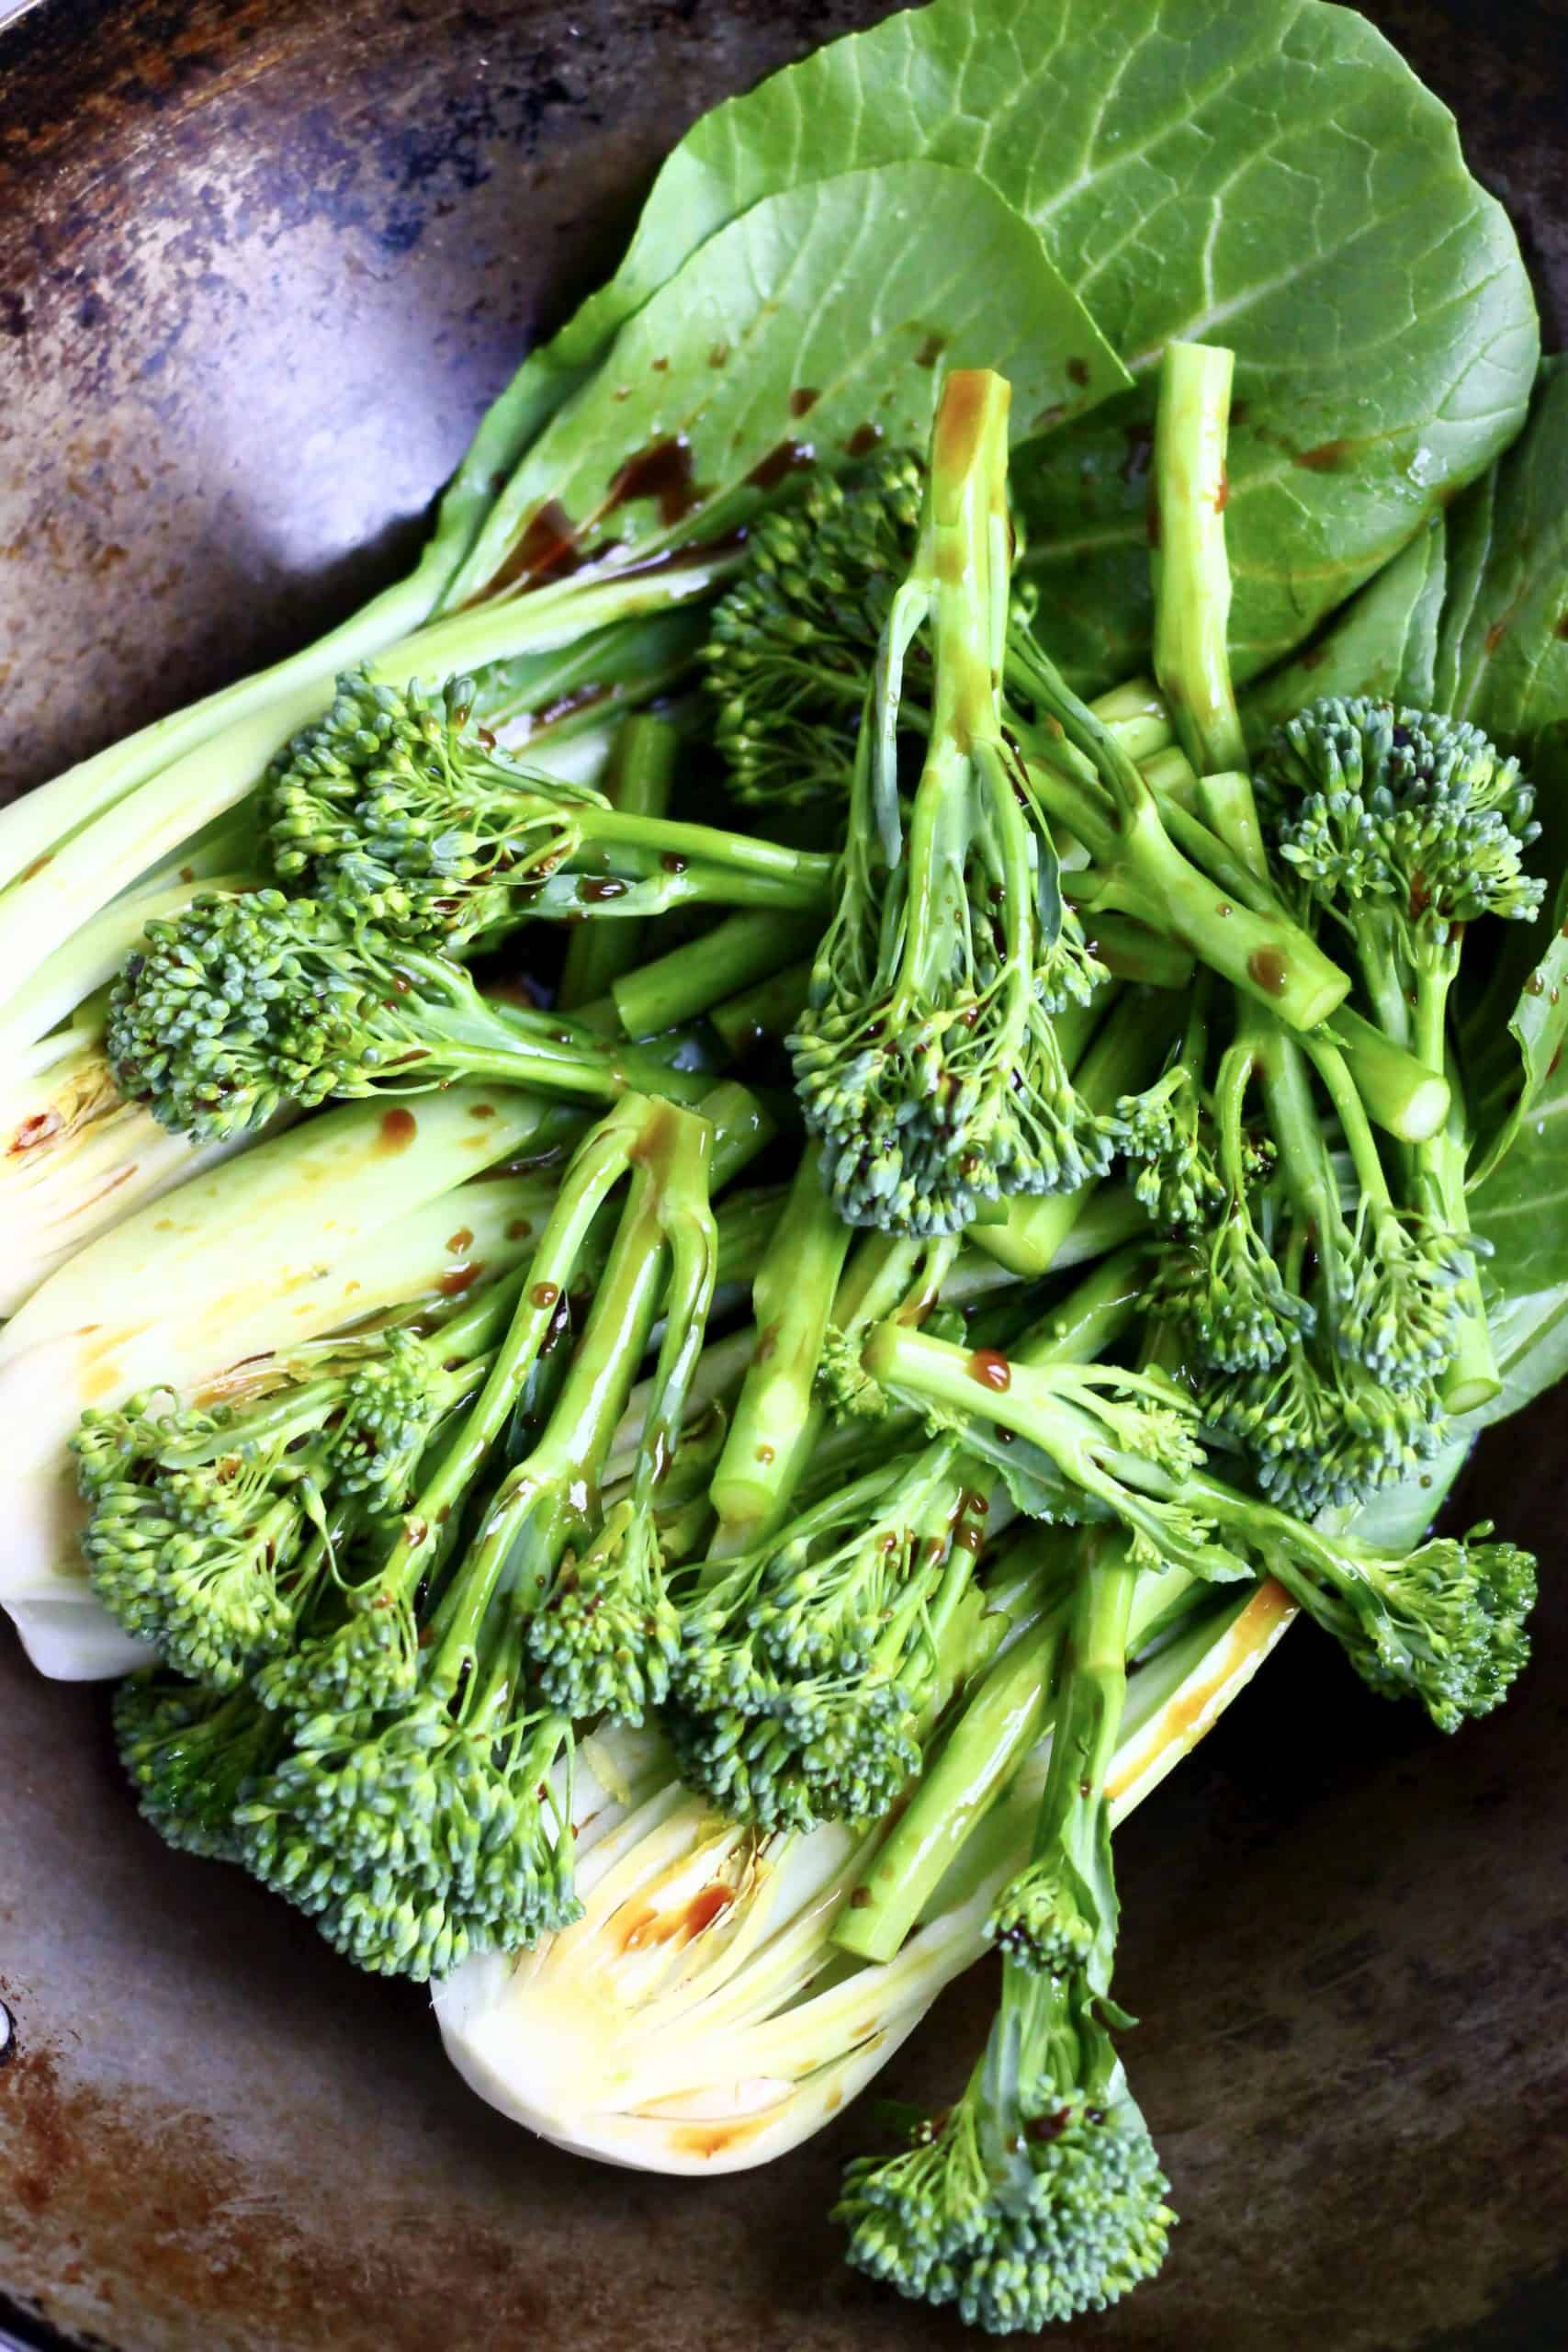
(262, 262)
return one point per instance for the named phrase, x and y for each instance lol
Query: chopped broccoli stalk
(792, 1303)
(245, 1005)
(1444, 1624)
(701, 973)
(1000, 1719)
(927, 1060)
(764, 1014)
(1137, 867)
(1193, 582)
(641, 775)
(394, 807)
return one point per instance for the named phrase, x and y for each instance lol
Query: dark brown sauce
(454, 1284)
(34, 1131)
(1495, 636)
(930, 350)
(1223, 495)
(1267, 966)
(482, 1111)
(863, 440)
(990, 1368)
(399, 1129)
(461, 1239)
(1077, 372)
(709, 1903)
(1326, 457)
(803, 399)
(545, 1294)
(519, 1229)
(596, 891)
(765, 1453)
(546, 550)
(719, 356)
(789, 457)
(663, 473)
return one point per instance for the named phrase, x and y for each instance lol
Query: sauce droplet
(454, 1284)
(789, 457)
(663, 472)
(399, 1129)
(991, 1369)
(460, 1239)
(863, 440)
(1267, 966)
(803, 399)
(545, 1293)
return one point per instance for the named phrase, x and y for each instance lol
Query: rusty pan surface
(261, 263)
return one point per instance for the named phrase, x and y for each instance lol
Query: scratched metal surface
(261, 263)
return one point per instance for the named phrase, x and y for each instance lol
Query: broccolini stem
(1406, 1097)
(641, 774)
(765, 1013)
(1191, 577)
(1471, 1377)
(1138, 869)
(518, 1542)
(773, 1422)
(703, 972)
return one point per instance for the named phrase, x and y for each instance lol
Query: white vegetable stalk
(698, 2019)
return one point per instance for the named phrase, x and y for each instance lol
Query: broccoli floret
(211, 1532)
(191, 1754)
(1039, 2196)
(1404, 827)
(395, 809)
(926, 1059)
(1443, 1624)
(421, 1809)
(792, 643)
(247, 1004)
(805, 1665)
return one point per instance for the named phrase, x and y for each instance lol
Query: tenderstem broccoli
(421, 1809)
(1443, 1624)
(1405, 827)
(1039, 2195)
(926, 1059)
(393, 807)
(245, 1004)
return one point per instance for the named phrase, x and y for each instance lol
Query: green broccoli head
(395, 809)
(606, 1638)
(1444, 1624)
(1065, 2219)
(1164, 1133)
(1370, 802)
(191, 1753)
(199, 1563)
(1040, 1920)
(242, 1005)
(415, 1836)
(793, 643)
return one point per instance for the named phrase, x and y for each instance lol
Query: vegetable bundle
(716, 1218)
